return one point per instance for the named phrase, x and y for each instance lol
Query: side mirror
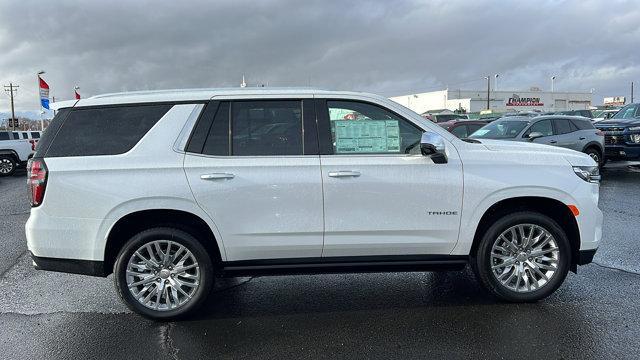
(535, 135)
(433, 145)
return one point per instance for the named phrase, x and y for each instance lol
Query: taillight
(33, 144)
(36, 180)
(599, 132)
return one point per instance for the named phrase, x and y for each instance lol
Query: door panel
(264, 207)
(385, 210)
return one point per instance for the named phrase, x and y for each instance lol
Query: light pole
(40, 101)
(495, 87)
(553, 78)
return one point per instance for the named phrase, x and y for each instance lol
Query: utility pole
(488, 91)
(11, 89)
(631, 92)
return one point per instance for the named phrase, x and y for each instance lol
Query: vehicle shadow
(398, 315)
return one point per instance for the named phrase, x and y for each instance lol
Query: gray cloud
(388, 47)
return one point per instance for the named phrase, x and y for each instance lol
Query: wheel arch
(10, 152)
(553, 208)
(135, 222)
(594, 144)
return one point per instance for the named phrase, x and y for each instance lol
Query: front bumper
(622, 152)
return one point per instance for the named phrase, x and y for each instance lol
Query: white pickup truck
(14, 152)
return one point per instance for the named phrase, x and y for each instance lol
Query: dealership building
(473, 101)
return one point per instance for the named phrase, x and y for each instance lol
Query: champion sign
(516, 100)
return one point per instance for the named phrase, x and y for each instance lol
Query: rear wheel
(523, 257)
(7, 165)
(163, 273)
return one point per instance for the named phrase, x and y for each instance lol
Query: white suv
(171, 189)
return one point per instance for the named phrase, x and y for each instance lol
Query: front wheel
(7, 165)
(523, 257)
(596, 156)
(163, 273)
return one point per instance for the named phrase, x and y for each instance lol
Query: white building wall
(500, 101)
(424, 101)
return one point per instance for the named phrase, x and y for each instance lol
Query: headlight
(635, 137)
(588, 173)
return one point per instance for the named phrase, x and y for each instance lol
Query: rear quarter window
(103, 131)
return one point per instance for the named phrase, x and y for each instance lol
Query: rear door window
(262, 128)
(108, 130)
(583, 124)
(564, 126)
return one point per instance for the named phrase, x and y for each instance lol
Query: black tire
(595, 154)
(481, 262)
(7, 165)
(176, 236)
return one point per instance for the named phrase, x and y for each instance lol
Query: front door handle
(552, 142)
(582, 138)
(344, 173)
(216, 176)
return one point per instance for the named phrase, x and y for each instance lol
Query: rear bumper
(585, 256)
(73, 266)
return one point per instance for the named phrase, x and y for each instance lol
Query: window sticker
(366, 136)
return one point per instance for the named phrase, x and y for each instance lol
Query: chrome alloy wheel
(163, 275)
(524, 257)
(6, 166)
(595, 157)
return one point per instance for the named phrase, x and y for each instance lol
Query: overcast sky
(387, 47)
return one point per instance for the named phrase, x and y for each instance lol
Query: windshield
(631, 111)
(500, 129)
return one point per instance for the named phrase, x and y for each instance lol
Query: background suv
(572, 132)
(622, 133)
(186, 186)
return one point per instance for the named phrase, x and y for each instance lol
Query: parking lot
(403, 315)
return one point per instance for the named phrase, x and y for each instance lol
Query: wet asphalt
(594, 315)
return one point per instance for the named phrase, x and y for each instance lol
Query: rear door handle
(552, 142)
(216, 176)
(344, 173)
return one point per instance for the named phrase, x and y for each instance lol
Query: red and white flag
(44, 93)
(77, 95)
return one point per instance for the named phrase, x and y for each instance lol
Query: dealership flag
(77, 95)
(44, 93)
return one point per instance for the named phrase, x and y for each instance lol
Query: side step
(351, 264)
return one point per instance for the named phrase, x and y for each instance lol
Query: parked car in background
(572, 132)
(622, 134)
(210, 194)
(584, 113)
(440, 118)
(32, 136)
(600, 115)
(14, 152)
(463, 128)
